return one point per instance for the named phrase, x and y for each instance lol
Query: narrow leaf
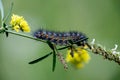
(1, 10)
(6, 33)
(54, 61)
(41, 58)
(9, 13)
(63, 48)
(50, 45)
(80, 40)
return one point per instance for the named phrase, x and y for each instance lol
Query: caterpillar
(62, 38)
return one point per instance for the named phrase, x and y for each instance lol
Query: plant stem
(24, 35)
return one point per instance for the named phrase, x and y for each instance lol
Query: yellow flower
(16, 28)
(80, 57)
(24, 26)
(18, 23)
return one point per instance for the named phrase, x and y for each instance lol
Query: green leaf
(63, 48)
(54, 61)
(5, 27)
(41, 58)
(50, 45)
(6, 33)
(80, 40)
(53, 47)
(9, 13)
(1, 10)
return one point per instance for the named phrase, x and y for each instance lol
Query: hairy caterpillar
(62, 38)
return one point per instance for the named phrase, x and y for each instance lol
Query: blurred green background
(99, 19)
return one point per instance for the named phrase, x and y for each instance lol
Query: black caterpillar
(62, 38)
